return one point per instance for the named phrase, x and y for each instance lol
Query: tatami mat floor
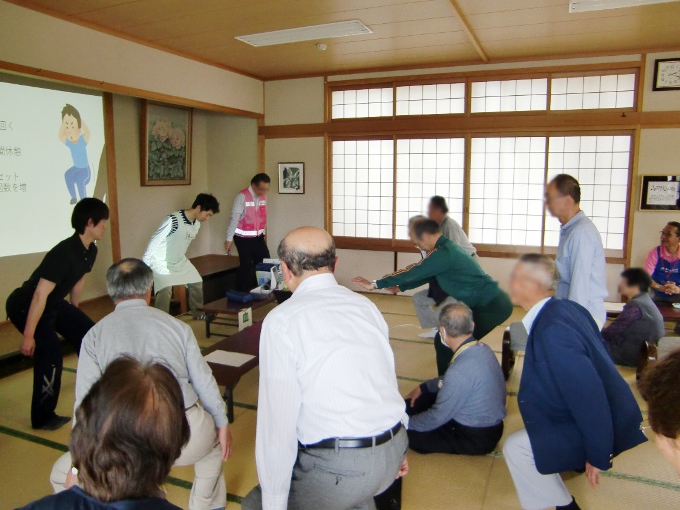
(640, 479)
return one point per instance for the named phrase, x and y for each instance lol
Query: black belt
(361, 442)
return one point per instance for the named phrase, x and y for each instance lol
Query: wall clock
(667, 74)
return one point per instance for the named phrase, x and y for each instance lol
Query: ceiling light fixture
(311, 33)
(601, 5)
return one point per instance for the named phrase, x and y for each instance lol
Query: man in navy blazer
(578, 411)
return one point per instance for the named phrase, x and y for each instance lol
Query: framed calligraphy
(660, 193)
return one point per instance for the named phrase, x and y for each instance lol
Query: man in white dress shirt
(329, 420)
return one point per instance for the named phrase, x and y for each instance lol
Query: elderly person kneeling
(150, 335)
(463, 411)
(129, 430)
(639, 322)
(578, 411)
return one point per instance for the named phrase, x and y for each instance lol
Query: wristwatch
(374, 284)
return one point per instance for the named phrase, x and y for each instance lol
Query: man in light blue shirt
(580, 256)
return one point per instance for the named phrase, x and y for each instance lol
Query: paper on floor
(233, 359)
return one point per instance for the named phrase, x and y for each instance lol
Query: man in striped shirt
(166, 253)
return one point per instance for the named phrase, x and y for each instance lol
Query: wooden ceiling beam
(469, 32)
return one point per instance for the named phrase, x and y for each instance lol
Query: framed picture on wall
(660, 193)
(165, 145)
(291, 178)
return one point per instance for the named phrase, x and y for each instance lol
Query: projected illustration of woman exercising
(75, 134)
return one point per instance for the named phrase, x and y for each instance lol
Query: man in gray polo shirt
(438, 211)
(463, 411)
(150, 335)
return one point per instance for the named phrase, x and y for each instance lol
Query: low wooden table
(230, 308)
(219, 273)
(245, 342)
(668, 313)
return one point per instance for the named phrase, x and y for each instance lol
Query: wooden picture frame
(165, 144)
(660, 193)
(291, 178)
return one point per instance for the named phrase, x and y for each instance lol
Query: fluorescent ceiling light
(311, 33)
(600, 5)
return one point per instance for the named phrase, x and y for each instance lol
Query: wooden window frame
(515, 74)
(385, 127)
(484, 250)
(610, 72)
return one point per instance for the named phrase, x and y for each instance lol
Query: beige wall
(224, 159)
(36, 40)
(633, 57)
(232, 162)
(657, 157)
(287, 212)
(141, 209)
(301, 101)
(298, 101)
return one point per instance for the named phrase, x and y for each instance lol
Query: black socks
(570, 506)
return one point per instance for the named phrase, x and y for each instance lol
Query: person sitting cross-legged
(150, 335)
(463, 411)
(640, 321)
(130, 428)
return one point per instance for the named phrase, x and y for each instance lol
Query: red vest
(254, 220)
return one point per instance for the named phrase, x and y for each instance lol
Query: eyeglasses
(646, 429)
(667, 234)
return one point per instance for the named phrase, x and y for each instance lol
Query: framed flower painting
(166, 145)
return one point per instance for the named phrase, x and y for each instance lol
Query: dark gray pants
(195, 294)
(348, 479)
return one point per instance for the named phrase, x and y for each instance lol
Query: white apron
(166, 253)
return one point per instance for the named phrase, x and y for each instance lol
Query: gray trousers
(535, 491)
(349, 478)
(195, 292)
(428, 313)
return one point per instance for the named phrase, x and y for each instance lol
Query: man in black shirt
(39, 310)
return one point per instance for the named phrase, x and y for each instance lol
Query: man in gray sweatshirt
(463, 411)
(147, 334)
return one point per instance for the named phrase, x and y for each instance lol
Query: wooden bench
(245, 342)
(230, 308)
